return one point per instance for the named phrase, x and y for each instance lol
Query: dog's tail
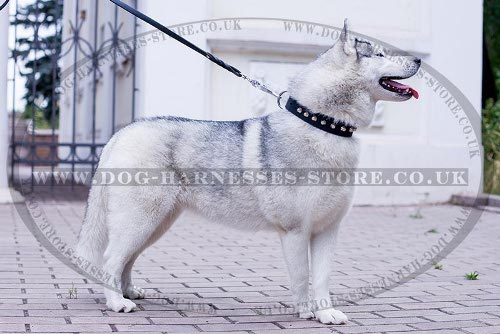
(93, 237)
(94, 234)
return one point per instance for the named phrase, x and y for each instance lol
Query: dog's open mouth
(393, 86)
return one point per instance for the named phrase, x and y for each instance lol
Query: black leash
(2, 6)
(190, 45)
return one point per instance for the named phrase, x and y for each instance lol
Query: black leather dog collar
(320, 121)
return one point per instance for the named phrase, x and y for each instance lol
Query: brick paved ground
(241, 274)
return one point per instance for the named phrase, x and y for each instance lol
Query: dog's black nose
(418, 61)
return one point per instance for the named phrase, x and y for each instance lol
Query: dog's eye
(379, 55)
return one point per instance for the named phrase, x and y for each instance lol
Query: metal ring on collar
(280, 96)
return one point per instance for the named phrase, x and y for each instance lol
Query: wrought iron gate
(78, 59)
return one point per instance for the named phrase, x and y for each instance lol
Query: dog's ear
(363, 48)
(344, 35)
(345, 38)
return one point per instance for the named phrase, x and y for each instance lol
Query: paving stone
(471, 309)
(71, 328)
(323, 330)
(443, 331)
(484, 330)
(238, 327)
(385, 321)
(446, 325)
(189, 321)
(372, 329)
(156, 328)
(33, 320)
(12, 328)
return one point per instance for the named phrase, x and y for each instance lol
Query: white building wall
(4, 141)
(172, 79)
(6, 195)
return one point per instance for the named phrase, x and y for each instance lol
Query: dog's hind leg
(121, 249)
(134, 217)
(129, 289)
(295, 250)
(321, 251)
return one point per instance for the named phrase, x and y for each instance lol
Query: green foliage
(473, 276)
(73, 292)
(39, 57)
(432, 230)
(491, 111)
(491, 29)
(438, 266)
(491, 143)
(491, 130)
(417, 214)
(41, 121)
(492, 177)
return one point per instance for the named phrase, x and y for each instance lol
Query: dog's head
(373, 70)
(347, 80)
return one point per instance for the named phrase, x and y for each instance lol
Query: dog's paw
(120, 305)
(306, 315)
(331, 316)
(134, 292)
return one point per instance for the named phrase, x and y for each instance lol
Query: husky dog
(344, 83)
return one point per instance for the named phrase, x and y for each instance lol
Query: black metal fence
(78, 59)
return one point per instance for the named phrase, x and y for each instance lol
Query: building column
(6, 195)
(172, 79)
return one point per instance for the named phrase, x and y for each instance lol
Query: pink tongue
(414, 92)
(401, 86)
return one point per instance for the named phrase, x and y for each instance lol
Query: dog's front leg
(322, 245)
(295, 250)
